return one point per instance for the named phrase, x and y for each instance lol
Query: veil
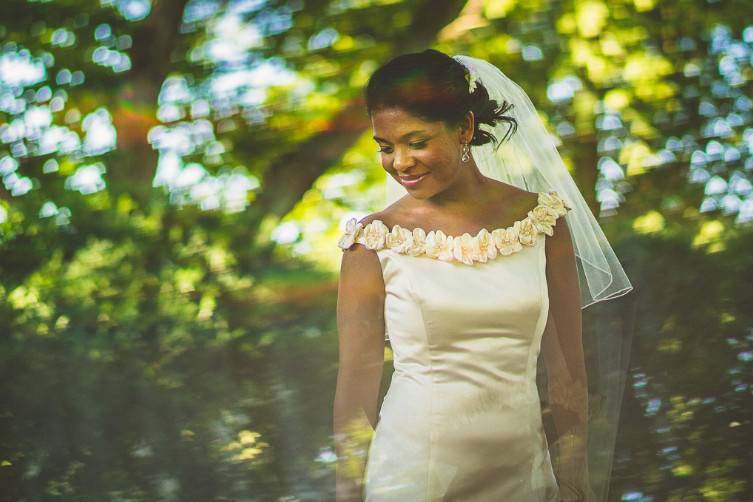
(530, 160)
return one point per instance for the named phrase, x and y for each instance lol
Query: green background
(176, 175)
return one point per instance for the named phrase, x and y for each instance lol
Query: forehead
(394, 123)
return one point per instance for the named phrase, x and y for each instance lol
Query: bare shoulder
(511, 201)
(360, 265)
(397, 213)
(560, 243)
(361, 270)
(516, 194)
(372, 217)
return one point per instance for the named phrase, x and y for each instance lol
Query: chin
(423, 194)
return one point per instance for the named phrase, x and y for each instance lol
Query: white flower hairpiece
(471, 81)
(471, 76)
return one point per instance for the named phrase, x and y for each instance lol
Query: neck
(467, 189)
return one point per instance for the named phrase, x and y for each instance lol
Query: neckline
(390, 229)
(465, 248)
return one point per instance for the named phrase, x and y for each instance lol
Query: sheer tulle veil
(529, 159)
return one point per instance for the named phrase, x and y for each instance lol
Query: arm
(566, 372)
(360, 326)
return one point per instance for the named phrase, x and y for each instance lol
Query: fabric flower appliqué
(439, 246)
(486, 247)
(543, 218)
(506, 239)
(373, 235)
(527, 232)
(417, 242)
(466, 248)
(554, 201)
(352, 228)
(399, 239)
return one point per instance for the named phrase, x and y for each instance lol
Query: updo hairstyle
(434, 87)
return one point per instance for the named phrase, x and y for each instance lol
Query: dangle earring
(466, 153)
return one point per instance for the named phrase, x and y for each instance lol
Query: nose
(402, 159)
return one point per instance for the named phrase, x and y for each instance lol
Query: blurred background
(176, 174)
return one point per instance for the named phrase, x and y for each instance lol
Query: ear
(467, 127)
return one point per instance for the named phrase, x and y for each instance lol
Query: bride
(482, 260)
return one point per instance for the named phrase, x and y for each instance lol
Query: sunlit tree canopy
(175, 175)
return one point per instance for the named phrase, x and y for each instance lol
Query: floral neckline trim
(464, 248)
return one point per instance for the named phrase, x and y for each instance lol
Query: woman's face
(422, 156)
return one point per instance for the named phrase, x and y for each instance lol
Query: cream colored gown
(461, 420)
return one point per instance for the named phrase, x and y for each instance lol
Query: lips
(411, 181)
(413, 177)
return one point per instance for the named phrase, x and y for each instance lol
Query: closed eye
(417, 145)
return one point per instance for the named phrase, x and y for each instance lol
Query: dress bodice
(451, 302)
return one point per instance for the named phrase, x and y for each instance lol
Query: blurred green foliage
(175, 175)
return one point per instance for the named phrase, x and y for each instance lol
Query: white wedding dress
(461, 420)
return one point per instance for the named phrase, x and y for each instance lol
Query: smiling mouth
(412, 178)
(412, 181)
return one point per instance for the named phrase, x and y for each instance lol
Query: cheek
(438, 160)
(386, 162)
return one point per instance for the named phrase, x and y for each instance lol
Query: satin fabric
(461, 420)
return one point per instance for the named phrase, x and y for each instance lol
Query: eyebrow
(412, 133)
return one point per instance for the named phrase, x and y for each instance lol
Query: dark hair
(433, 86)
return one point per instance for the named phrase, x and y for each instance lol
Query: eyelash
(419, 144)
